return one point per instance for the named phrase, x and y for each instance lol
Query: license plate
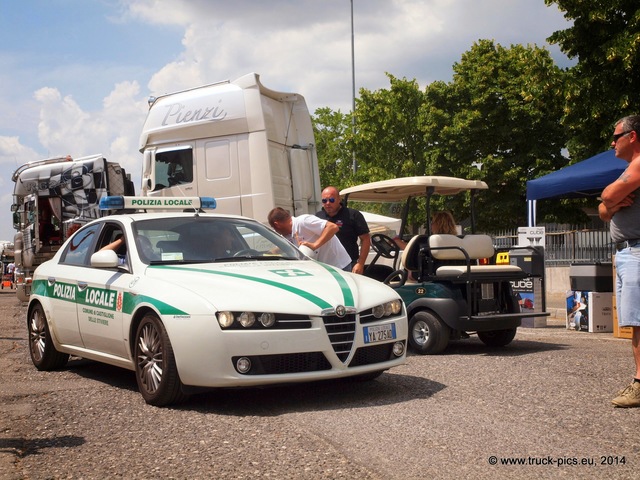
(379, 333)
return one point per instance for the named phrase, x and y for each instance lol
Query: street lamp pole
(353, 94)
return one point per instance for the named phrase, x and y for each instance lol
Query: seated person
(145, 248)
(225, 243)
(441, 222)
(120, 247)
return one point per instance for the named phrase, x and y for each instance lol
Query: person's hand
(358, 268)
(312, 246)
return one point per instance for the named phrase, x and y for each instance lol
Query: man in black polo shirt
(352, 226)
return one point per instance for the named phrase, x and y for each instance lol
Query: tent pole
(531, 213)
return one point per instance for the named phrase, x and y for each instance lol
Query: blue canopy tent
(582, 179)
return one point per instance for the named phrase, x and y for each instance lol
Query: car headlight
(247, 319)
(225, 319)
(267, 319)
(236, 320)
(394, 307)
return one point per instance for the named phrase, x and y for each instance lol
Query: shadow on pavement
(22, 447)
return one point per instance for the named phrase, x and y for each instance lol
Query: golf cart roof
(397, 189)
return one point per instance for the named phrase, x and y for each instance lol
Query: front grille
(287, 363)
(341, 332)
(372, 354)
(366, 316)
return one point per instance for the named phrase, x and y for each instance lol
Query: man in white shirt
(313, 232)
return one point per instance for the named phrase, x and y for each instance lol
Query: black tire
(43, 353)
(156, 371)
(497, 338)
(428, 334)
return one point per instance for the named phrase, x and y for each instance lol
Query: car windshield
(200, 239)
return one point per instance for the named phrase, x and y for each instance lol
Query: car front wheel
(156, 371)
(428, 334)
(43, 353)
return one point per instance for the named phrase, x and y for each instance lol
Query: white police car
(198, 300)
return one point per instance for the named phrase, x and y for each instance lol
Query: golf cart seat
(457, 258)
(453, 258)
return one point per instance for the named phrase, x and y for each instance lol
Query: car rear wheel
(428, 335)
(156, 371)
(43, 353)
(497, 338)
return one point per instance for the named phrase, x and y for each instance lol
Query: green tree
(605, 83)
(499, 121)
(388, 140)
(334, 143)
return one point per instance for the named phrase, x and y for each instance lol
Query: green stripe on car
(346, 292)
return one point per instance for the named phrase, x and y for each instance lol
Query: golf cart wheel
(497, 338)
(428, 334)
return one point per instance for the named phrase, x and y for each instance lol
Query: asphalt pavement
(539, 408)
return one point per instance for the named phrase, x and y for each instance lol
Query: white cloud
(301, 46)
(12, 152)
(65, 128)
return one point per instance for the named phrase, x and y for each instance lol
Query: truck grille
(341, 332)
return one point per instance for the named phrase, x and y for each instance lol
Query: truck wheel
(497, 338)
(43, 354)
(156, 371)
(428, 335)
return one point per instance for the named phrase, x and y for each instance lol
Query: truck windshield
(173, 167)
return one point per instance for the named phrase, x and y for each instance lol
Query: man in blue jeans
(621, 206)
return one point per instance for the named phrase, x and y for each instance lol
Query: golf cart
(449, 286)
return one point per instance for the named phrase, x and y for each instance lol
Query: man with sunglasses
(621, 206)
(352, 226)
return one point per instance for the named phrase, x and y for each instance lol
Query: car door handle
(82, 285)
(51, 280)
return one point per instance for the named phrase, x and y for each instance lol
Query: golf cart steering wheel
(247, 252)
(384, 245)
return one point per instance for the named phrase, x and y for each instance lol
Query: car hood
(285, 286)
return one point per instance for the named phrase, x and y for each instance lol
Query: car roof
(138, 216)
(397, 189)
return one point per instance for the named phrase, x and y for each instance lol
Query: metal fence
(565, 244)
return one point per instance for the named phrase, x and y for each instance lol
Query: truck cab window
(173, 168)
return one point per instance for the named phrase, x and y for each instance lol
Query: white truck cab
(250, 147)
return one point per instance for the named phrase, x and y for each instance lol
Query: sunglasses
(618, 136)
(330, 200)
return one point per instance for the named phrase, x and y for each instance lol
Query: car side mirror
(105, 259)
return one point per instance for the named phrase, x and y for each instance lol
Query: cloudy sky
(76, 74)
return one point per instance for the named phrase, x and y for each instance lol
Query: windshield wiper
(253, 257)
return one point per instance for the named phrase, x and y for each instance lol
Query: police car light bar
(120, 202)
